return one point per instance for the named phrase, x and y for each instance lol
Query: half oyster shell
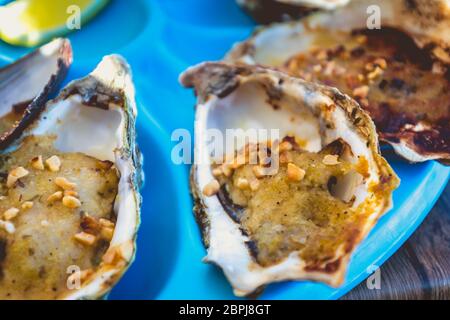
(303, 220)
(27, 84)
(266, 11)
(399, 73)
(70, 201)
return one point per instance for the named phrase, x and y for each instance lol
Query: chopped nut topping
(381, 63)
(85, 238)
(254, 184)
(53, 163)
(330, 160)
(14, 175)
(45, 223)
(295, 173)
(7, 226)
(285, 157)
(107, 233)
(37, 163)
(65, 184)
(260, 172)
(70, 193)
(361, 92)
(71, 202)
(89, 224)
(317, 68)
(58, 195)
(10, 214)
(211, 188)
(285, 146)
(375, 73)
(27, 205)
(242, 183)
(226, 169)
(322, 55)
(81, 276)
(217, 172)
(106, 223)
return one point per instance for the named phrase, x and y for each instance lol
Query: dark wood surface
(421, 268)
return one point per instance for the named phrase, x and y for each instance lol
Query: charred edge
(337, 147)
(97, 96)
(200, 214)
(267, 11)
(234, 211)
(329, 267)
(35, 108)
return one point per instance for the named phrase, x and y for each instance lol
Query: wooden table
(421, 268)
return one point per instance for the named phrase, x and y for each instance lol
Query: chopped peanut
(285, 146)
(37, 163)
(10, 214)
(211, 188)
(58, 195)
(85, 238)
(330, 160)
(45, 223)
(217, 172)
(242, 183)
(65, 184)
(107, 233)
(227, 170)
(53, 163)
(79, 276)
(295, 173)
(27, 205)
(259, 172)
(381, 63)
(375, 73)
(106, 223)
(361, 92)
(254, 184)
(70, 193)
(71, 202)
(14, 175)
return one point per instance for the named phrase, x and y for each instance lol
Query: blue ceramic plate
(161, 38)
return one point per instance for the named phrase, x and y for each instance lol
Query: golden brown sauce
(34, 260)
(394, 80)
(283, 216)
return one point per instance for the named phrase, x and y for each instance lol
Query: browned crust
(220, 79)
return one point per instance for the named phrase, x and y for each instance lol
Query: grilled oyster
(299, 219)
(265, 11)
(70, 201)
(27, 84)
(399, 73)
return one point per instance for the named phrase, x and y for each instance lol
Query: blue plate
(160, 39)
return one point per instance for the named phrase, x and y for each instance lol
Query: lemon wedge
(33, 22)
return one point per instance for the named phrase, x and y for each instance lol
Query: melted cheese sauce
(283, 216)
(34, 260)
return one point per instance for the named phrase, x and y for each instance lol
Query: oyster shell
(27, 84)
(266, 11)
(73, 179)
(303, 220)
(399, 73)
